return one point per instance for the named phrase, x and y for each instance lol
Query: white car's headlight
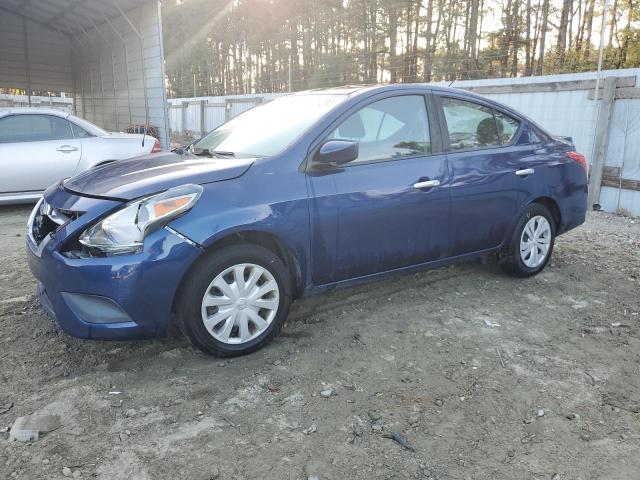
(124, 231)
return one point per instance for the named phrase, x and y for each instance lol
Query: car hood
(148, 174)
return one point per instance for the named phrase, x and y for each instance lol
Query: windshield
(268, 129)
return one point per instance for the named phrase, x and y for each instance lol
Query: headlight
(124, 231)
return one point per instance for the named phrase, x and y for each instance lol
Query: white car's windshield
(268, 129)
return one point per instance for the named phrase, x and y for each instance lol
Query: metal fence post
(227, 109)
(601, 141)
(203, 117)
(183, 119)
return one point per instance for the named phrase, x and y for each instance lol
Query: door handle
(427, 184)
(524, 172)
(67, 149)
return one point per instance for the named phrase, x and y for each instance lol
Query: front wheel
(532, 242)
(235, 300)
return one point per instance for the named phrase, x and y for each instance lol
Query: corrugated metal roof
(70, 16)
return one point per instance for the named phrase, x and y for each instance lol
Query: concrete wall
(113, 67)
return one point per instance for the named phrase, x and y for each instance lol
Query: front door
(387, 209)
(36, 151)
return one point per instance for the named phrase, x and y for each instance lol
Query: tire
(239, 319)
(522, 263)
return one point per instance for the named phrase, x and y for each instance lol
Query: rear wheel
(235, 300)
(532, 242)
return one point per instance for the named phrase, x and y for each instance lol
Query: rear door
(539, 169)
(483, 158)
(36, 151)
(377, 213)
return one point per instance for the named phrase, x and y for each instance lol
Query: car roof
(372, 89)
(32, 110)
(356, 90)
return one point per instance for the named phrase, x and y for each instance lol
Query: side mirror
(336, 152)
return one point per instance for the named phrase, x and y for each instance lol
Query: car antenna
(144, 134)
(452, 81)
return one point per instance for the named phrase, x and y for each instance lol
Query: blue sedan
(303, 194)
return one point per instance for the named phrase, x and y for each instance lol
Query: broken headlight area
(46, 220)
(124, 231)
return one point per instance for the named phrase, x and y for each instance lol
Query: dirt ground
(486, 376)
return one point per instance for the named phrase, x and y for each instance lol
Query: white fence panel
(567, 114)
(215, 115)
(624, 142)
(185, 113)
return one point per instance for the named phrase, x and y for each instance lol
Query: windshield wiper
(202, 153)
(205, 152)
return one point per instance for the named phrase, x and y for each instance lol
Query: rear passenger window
(79, 132)
(471, 126)
(392, 128)
(507, 127)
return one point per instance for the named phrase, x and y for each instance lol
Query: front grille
(47, 220)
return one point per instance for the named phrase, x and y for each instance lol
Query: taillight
(579, 158)
(158, 148)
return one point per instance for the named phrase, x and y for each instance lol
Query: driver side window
(392, 128)
(31, 127)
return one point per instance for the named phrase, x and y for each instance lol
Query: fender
(520, 212)
(230, 207)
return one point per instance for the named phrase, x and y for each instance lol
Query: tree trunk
(295, 60)
(534, 41)
(427, 50)
(527, 41)
(589, 29)
(561, 45)
(515, 38)
(624, 49)
(473, 38)
(393, 41)
(414, 50)
(543, 34)
(613, 22)
(506, 38)
(406, 67)
(373, 45)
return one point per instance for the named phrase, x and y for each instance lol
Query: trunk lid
(126, 136)
(148, 174)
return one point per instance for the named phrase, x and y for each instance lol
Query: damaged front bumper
(117, 297)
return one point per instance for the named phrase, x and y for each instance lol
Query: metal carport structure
(107, 54)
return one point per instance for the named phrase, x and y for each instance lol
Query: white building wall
(32, 56)
(114, 67)
(102, 68)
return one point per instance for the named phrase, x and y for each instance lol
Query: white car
(40, 147)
